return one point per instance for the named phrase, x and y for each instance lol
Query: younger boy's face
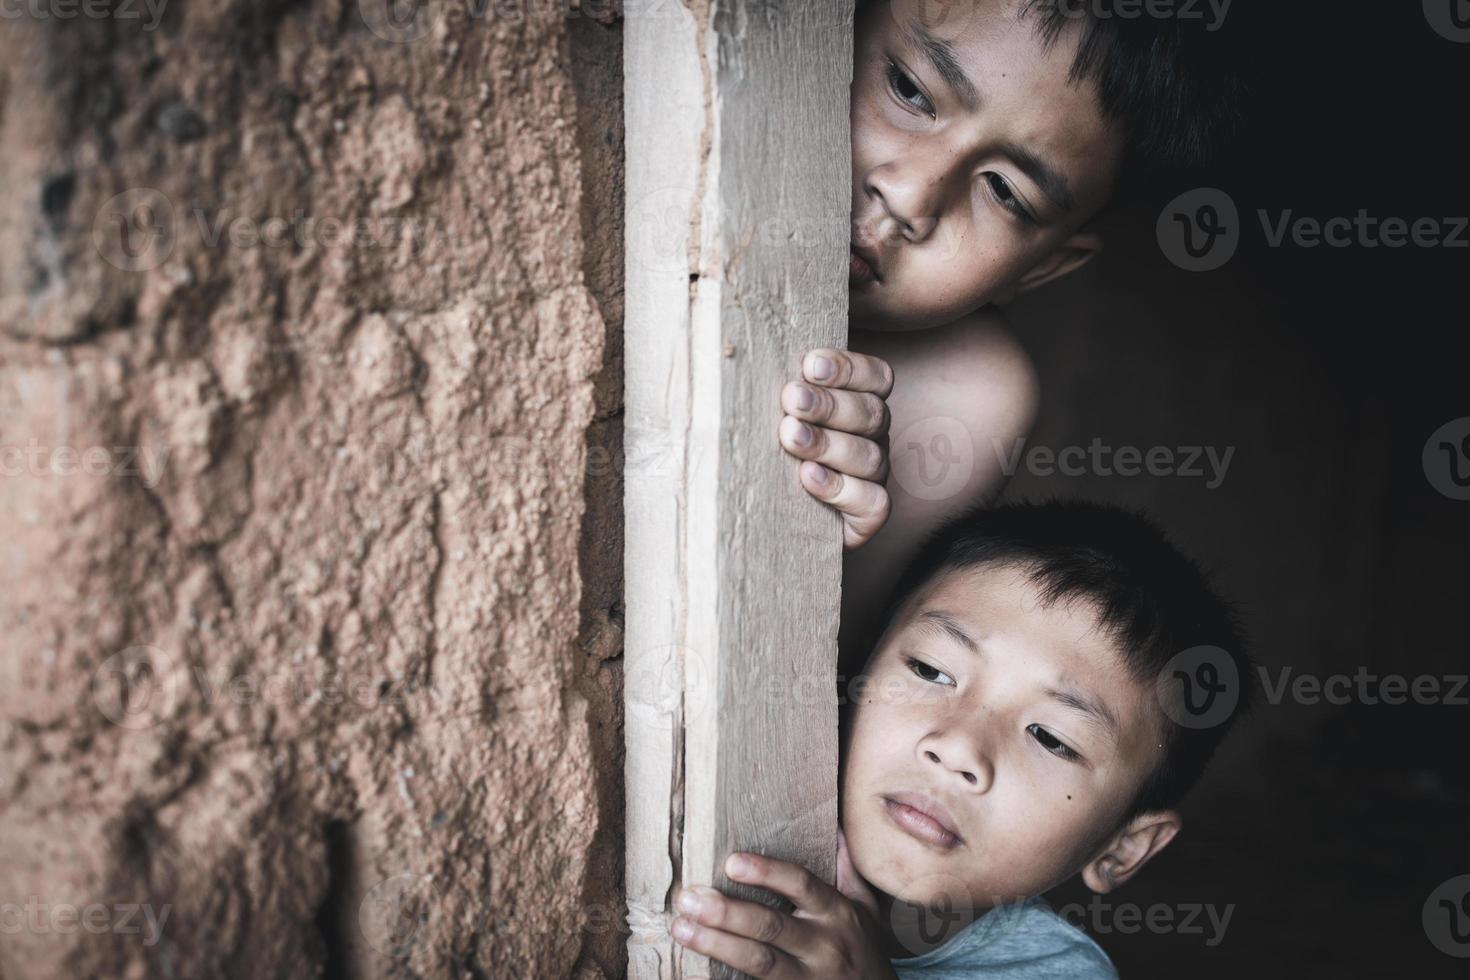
(1017, 718)
(974, 162)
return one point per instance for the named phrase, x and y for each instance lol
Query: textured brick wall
(309, 461)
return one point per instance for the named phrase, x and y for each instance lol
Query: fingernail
(818, 473)
(797, 431)
(737, 866)
(805, 399)
(822, 368)
(683, 928)
(689, 902)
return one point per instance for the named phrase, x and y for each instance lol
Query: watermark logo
(1365, 687)
(135, 230)
(929, 909)
(90, 9)
(396, 458)
(138, 687)
(944, 20)
(40, 917)
(143, 463)
(1097, 458)
(1446, 917)
(661, 226)
(1200, 687)
(1212, 12)
(659, 229)
(1101, 917)
(1449, 18)
(396, 21)
(933, 458)
(395, 912)
(1446, 459)
(1199, 230)
(667, 688)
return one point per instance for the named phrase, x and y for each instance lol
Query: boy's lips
(862, 265)
(923, 817)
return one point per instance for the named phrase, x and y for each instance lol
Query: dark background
(1327, 827)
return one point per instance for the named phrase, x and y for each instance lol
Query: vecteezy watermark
(1446, 917)
(1201, 229)
(138, 687)
(666, 688)
(301, 229)
(1449, 18)
(1363, 230)
(90, 9)
(660, 225)
(1199, 687)
(1206, 463)
(97, 918)
(405, 21)
(395, 912)
(138, 229)
(1212, 12)
(933, 458)
(943, 20)
(929, 908)
(143, 686)
(144, 463)
(1365, 687)
(134, 230)
(1100, 917)
(1446, 459)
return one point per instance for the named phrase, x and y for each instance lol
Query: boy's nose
(910, 201)
(960, 759)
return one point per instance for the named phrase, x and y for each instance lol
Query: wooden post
(738, 189)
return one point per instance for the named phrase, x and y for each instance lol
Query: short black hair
(1169, 81)
(1154, 601)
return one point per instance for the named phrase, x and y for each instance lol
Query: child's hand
(837, 420)
(830, 935)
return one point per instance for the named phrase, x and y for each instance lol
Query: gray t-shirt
(1024, 941)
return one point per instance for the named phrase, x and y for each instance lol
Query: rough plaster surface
(309, 546)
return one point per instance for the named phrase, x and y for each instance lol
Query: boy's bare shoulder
(973, 369)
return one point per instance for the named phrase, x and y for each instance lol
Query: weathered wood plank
(737, 224)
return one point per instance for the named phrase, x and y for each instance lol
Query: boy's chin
(934, 886)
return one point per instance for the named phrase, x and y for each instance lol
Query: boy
(1021, 720)
(987, 138)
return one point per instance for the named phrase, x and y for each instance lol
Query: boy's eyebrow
(942, 59)
(1052, 184)
(1078, 701)
(942, 622)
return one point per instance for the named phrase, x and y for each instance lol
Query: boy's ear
(1130, 849)
(1069, 256)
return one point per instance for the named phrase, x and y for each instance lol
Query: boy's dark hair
(1168, 81)
(1154, 600)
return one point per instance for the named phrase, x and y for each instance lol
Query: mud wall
(309, 459)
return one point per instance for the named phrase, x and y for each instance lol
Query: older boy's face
(974, 161)
(1018, 719)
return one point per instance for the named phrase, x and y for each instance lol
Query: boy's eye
(923, 670)
(1007, 197)
(907, 90)
(1052, 744)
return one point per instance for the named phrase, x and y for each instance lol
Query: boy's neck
(912, 930)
